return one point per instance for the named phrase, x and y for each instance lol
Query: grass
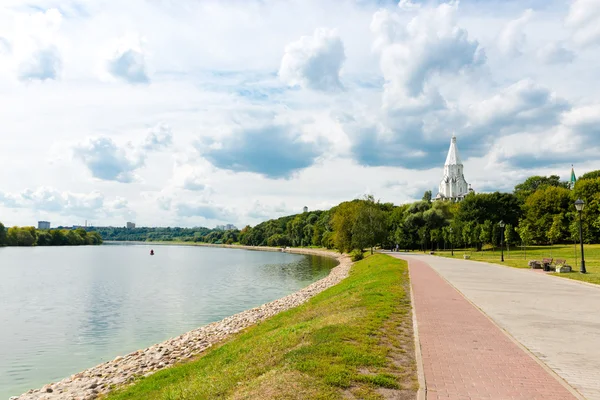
(354, 340)
(518, 258)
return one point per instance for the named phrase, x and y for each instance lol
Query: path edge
(546, 368)
(529, 270)
(422, 391)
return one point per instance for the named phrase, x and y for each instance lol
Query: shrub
(356, 255)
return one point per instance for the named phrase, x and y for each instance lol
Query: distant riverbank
(102, 378)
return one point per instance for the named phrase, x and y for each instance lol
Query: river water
(65, 309)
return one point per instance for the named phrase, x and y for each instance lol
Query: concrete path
(558, 320)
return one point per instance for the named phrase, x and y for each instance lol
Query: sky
(204, 112)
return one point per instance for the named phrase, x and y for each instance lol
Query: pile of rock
(90, 383)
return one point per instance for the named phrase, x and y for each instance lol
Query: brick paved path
(466, 356)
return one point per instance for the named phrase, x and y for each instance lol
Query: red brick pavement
(466, 356)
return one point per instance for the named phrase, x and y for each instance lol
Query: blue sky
(205, 112)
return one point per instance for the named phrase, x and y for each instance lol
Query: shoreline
(103, 378)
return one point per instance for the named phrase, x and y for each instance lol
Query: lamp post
(579, 206)
(502, 225)
(451, 243)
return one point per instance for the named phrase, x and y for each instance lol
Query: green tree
(555, 233)
(509, 236)
(591, 175)
(343, 220)
(370, 225)
(541, 207)
(427, 196)
(534, 183)
(526, 235)
(486, 232)
(2, 235)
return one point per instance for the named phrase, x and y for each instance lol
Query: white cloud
(413, 52)
(584, 21)
(519, 106)
(43, 64)
(159, 137)
(107, 161)
(128, 62)
(314, 62)
(51, 200)
(403, 77)
(555, 53)
(513, 39)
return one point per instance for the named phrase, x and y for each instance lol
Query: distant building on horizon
(131, 225)
(453, 186)
(43, 225)
(226, 227)
(305, 209)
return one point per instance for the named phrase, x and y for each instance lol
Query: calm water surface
(64, 309)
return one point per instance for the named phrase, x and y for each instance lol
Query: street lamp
(451, 243)
(502, 225)
(579, 206)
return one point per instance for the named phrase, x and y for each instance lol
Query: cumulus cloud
(42, 65)
(207, 211)
(431, 43)
(585, 121)
(523, 105)
(128, 62)
(158, 138)
(52, 200)
(5, 47)
(555, 53)
(164, 203)
(107, 161)
(275, 151)
(314, 62)
(194, 182)
(584, 21)
(512, 39)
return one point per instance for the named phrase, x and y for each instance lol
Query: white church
(453, 186)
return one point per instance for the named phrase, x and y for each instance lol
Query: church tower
(453, 185)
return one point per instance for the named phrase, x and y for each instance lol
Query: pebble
(84, 385)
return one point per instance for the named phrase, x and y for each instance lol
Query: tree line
(143, 234)
(539, 211)
(30, 236)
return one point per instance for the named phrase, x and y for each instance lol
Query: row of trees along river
(30, 236)
(539, 210)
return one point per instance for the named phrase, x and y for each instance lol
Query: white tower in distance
(453, 186)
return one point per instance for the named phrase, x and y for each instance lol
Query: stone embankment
(90, 383)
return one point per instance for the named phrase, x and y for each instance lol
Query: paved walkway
(466, 356)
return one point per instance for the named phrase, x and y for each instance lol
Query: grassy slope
(516, 258)
(353, 340)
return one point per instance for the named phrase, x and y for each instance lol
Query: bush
(356, 255)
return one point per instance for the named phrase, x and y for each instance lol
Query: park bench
(561, 265)
(546, 263)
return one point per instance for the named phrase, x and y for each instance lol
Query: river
(65, 309)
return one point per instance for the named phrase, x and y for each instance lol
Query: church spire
(453, 157)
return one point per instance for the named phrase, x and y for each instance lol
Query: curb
(546, 368)
(422, 391)
(528, 270)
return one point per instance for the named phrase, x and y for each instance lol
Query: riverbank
(352, 341)
(101, 379)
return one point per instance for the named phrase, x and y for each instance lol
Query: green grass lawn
(354, 340)
(518, 258)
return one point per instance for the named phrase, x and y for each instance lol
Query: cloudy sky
(201, 112)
